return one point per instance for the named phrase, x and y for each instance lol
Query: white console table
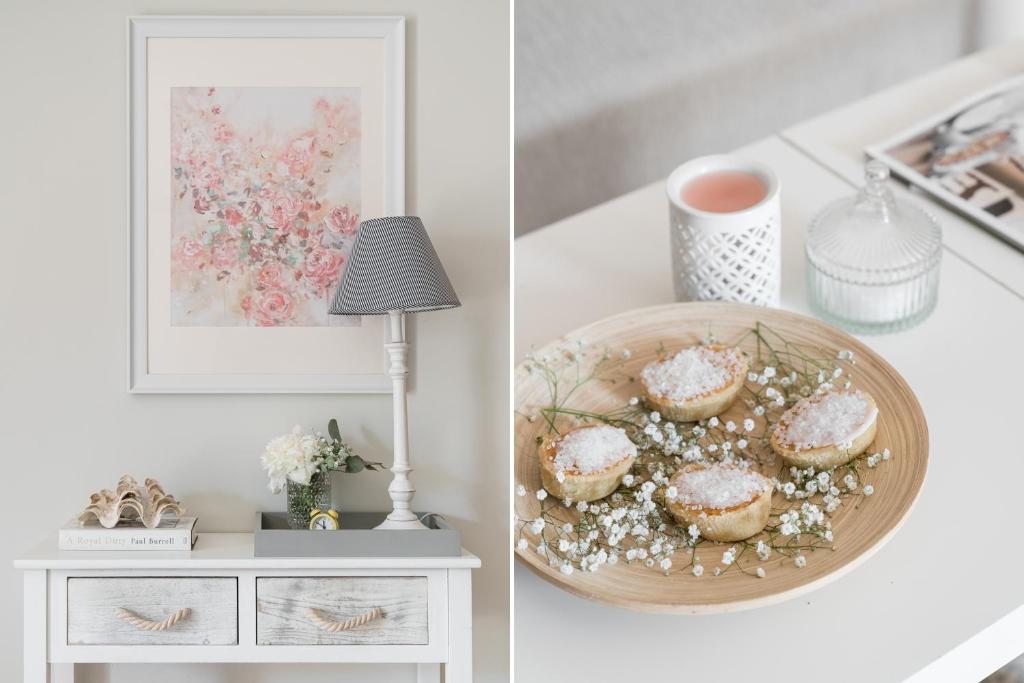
(220, 604)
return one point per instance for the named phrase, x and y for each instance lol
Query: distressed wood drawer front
(152, 611)
(342, 610)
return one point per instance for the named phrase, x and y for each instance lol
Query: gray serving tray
(356, 538)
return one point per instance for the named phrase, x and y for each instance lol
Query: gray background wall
(67, 425)
(610, 96)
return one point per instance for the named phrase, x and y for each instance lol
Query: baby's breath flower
(698, 569)
(560, 475)
(522, 544)
(520, 490)
(800, 561)
(542, 494)
(748, 425)
(868, 489)
(760, 572)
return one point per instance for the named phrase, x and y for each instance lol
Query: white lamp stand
(401, 489)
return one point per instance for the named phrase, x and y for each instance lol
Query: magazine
(970, 157)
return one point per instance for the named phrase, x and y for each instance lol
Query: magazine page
(970, 157)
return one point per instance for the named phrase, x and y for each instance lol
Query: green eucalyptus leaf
(354, 463)
(332, 429)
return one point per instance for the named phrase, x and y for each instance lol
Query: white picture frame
(140, 29)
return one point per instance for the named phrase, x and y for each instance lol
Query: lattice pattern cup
(725, 256)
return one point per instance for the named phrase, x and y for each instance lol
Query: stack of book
(171, 534)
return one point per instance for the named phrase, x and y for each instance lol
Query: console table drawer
(152, 611)
(342, 610)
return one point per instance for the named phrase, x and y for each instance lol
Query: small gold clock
(324, 520)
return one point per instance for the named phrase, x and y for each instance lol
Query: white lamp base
(401, 489)
(401, 524)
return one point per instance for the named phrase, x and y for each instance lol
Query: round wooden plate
(860, 527)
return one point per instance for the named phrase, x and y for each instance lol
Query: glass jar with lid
(872, 261)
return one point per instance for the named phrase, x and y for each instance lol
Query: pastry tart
(696, 383)
(586, 463)
(726, 503)
(826, 430)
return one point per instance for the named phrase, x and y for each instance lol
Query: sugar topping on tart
(831, 418)
(692, 372)
(592, 449)
(718, 486)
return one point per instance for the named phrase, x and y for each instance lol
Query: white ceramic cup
(732, 256)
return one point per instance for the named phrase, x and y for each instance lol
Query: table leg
(428, 673)
(459, 668)
(34, 627)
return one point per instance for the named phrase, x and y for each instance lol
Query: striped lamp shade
(393, 267)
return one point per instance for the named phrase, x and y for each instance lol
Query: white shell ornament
(130, 502)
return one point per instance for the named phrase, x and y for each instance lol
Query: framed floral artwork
(256, 146)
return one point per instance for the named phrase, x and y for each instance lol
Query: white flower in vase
(294, 456)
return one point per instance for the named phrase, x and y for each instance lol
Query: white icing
(718, 486)
(592, 449)
(829, 419)
(692, 372)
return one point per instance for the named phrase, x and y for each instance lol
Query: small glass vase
(302, 499)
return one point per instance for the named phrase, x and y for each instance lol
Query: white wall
(612, 95)
(67, 425)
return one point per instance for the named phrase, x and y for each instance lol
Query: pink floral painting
(265, 204)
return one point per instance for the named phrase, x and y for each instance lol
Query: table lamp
(394, 270)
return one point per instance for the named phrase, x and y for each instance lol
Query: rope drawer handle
(147, 625)
(333, 626)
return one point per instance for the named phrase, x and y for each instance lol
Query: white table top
(221, 551)
(951, 571)
(837, 140)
